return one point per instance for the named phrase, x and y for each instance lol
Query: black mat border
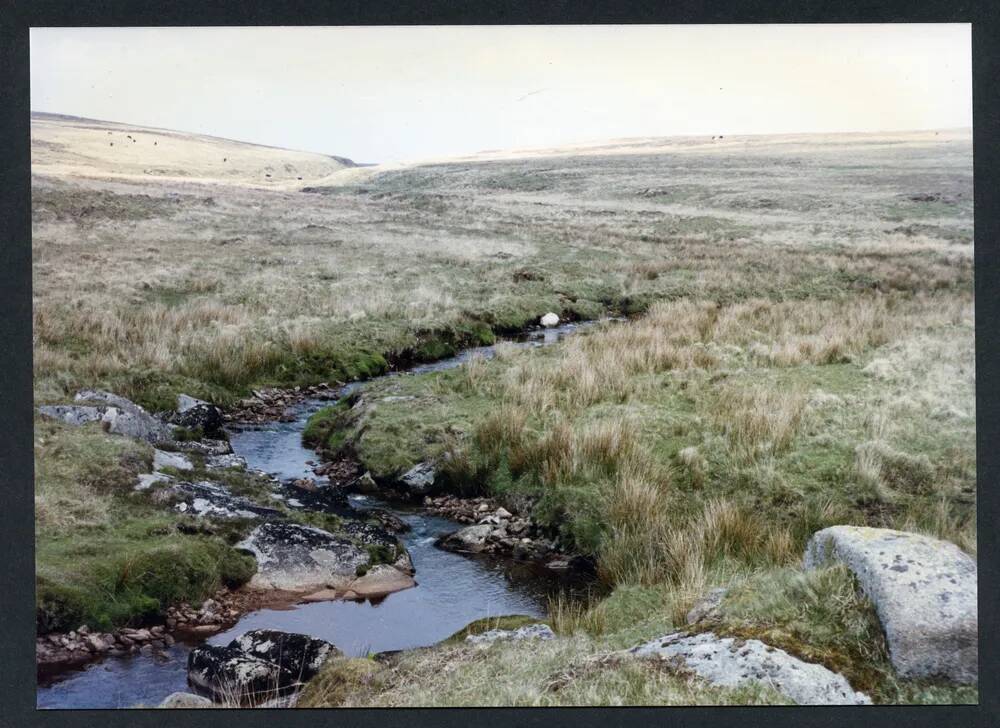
(17, 681)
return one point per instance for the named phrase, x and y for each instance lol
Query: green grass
(107, 556)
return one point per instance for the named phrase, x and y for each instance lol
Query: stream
(452, 590)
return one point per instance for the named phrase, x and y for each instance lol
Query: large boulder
(116, 414)
(923, 589)
(196, 414)
(299, 653)
(302, 558)
(727, 662)
(230, 675)
(121, 416)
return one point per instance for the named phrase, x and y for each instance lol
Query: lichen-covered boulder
(121, 416)
(923, 589)
(71, 414)
(302, 558)
(228, 674)
(116, 414)
(301, 654)
(727, 662)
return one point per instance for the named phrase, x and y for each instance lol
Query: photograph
(488, 366)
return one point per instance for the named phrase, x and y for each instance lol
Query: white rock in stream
(549, 320)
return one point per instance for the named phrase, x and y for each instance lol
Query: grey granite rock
(923, 589)
(726, 662)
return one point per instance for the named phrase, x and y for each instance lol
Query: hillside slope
(72, 146)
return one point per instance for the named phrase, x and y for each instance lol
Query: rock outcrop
(923, 589)
(528, 632)
(121, 416)
(116, 414)
(726, 662)
(206, 498)
(163, 459)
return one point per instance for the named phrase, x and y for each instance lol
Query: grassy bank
(107, 556)
(658, 444)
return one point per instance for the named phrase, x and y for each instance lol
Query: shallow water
(452, 590)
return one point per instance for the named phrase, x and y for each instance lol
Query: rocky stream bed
(452, 561)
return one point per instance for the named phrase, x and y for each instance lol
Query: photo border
(17, 629)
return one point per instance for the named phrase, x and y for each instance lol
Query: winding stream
(452, 590)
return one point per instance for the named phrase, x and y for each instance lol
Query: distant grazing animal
(111, 144)
(225, 158)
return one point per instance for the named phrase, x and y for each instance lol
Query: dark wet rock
(228, 674)
(326, 499)
(212, 499)
(370, 534)
(924, 590)
(419, 480)
(196, 414)
(731, 663)
(301, 654)
(301, 558)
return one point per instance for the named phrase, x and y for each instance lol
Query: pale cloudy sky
(380, 94)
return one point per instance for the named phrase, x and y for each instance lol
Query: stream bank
(452, 590)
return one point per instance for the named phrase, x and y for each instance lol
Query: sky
(389, 94)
